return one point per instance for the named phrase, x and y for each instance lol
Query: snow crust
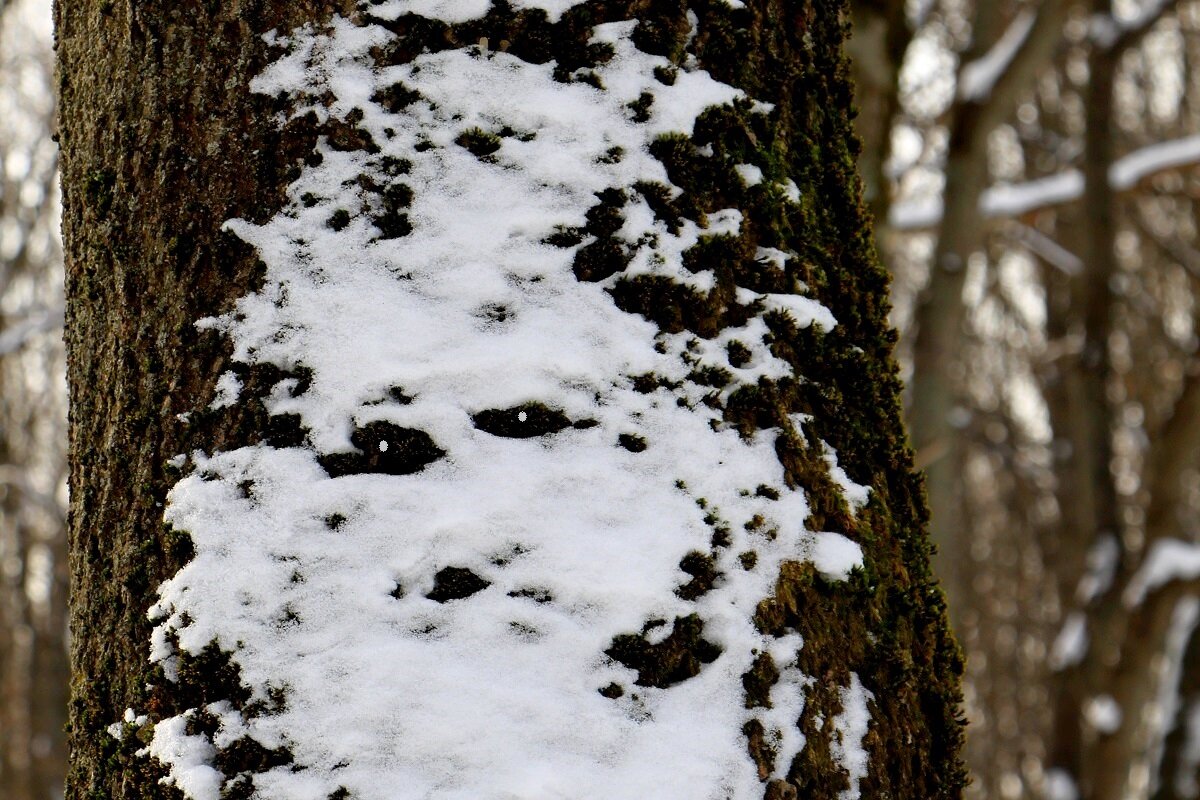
(320, 586)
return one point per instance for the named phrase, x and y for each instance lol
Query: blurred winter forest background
(1034, 171)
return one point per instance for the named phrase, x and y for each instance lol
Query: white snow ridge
(486, 503)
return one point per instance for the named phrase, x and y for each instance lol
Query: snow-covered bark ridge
(524, 537)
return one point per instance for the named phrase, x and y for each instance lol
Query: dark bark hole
(456, 583)
(640, 108)
(632, 442)
(599, 260)
(288, 619)
(704, 574)
(391, 220)
(479, 143)
(285, 430)
(739, 354)
(681, 655)
(396, 97)
(246, 755)
(758, 681)
(658, 196)
(612, 691)
(348, 137)
(535, 594)
(612, 156)
(766, 491)
(397, 591)
(761, 752)
(339, 220)
(564, 237)
(392, 225)
(385, 448)
(495, 314)
(712, 377)
(672, 306)
(393, 166)
(506, 557)
(521, 422)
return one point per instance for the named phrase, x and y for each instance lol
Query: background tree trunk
(163, 141)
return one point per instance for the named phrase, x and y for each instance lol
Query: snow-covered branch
(1167, 560)
(1018, 199)
(977, 78)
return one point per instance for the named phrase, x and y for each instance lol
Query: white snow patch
(577, 539)
(188, 757)
(855, 494)
(726, 222)
(781, 722)
(791, 191)
(773, 256)
(229, 387)
(804, 311)
(850, 728)
(832, 554)
(750, 174)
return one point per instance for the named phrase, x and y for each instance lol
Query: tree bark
(164, 141)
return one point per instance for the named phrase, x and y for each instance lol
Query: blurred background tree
(1032, 167)
(33, 569)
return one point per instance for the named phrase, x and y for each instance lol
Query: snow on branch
(1167, 560)
(977, 78)
(1127, 172)
(1016, 200)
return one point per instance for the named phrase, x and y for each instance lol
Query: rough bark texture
(163, 142)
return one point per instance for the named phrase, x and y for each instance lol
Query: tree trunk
(706, 630)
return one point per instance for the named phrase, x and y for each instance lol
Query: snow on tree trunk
(486, 401)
